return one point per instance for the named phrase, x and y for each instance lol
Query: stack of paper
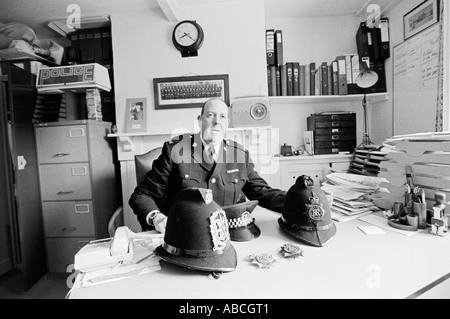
(426, 155)
(367, 162)
(144, 261)
(349, 193)
(347, 210)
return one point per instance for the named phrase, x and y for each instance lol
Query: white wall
(318, 39)
(234, 44)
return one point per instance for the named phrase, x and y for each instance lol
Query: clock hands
(186, 35)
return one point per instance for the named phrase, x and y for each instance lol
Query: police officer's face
(214, 121)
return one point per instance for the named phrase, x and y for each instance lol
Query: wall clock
(187, 37)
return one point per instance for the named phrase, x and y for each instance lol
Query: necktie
(211, 153)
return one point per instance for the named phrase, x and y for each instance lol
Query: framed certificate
(136, 115)
(420, 18)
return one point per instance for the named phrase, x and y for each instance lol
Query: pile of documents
(367, 161)
(144, 261)
(350, 193)
(426, 155)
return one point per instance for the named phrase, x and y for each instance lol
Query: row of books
(274, 47)
(335, 78)
(94, 44)
(373, 42)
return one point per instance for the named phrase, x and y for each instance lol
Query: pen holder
(413, 220)
(420, 209)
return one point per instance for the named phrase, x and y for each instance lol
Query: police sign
(79, 76)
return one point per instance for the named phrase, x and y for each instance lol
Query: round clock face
(187, 35)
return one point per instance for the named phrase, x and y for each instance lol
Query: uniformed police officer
(202, 160)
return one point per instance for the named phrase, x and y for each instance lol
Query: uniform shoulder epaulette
(232, 143)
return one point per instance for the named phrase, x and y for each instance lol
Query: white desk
(352, 265)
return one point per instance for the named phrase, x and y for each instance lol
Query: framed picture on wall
(136, 115)
(420, 18)
(189, 91)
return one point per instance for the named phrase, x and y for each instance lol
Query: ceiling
(38, 13)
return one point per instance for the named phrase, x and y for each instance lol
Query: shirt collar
(206, 146)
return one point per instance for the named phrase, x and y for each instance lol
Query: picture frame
(420, 18)
(136, 115)
(189, 91)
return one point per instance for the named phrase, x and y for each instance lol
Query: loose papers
(349, 191)
(144, 261)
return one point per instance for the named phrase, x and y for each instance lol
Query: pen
(409, 179)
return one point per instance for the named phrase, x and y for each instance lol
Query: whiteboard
(415, 72)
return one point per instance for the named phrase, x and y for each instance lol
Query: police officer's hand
(160, 222)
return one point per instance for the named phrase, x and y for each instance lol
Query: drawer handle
(65, 193)
(69, 229)
(61, 154)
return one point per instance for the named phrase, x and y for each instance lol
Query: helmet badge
(207, 195)
(219, 229)
(315, 210)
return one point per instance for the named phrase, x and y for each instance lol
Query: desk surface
(353, 265)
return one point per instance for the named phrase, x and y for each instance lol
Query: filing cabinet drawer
(68, 219)
(65, 182)
(62, 144)
(61, 252)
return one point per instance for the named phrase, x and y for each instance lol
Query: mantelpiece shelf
(127, 140)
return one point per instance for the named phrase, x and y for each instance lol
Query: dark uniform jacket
(182, 164)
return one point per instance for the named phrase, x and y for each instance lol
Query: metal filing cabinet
(78, 186)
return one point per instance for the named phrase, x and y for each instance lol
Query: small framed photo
(420, 18)
(136, 116)
(189, 91)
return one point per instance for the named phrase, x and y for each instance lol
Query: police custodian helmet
(306, 215)
(197, 235)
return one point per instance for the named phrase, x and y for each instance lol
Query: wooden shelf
(372, 98)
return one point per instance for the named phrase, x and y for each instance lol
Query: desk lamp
(366, 79)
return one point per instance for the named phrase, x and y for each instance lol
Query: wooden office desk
(352, 265)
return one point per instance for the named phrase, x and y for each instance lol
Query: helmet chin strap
(216, 274)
